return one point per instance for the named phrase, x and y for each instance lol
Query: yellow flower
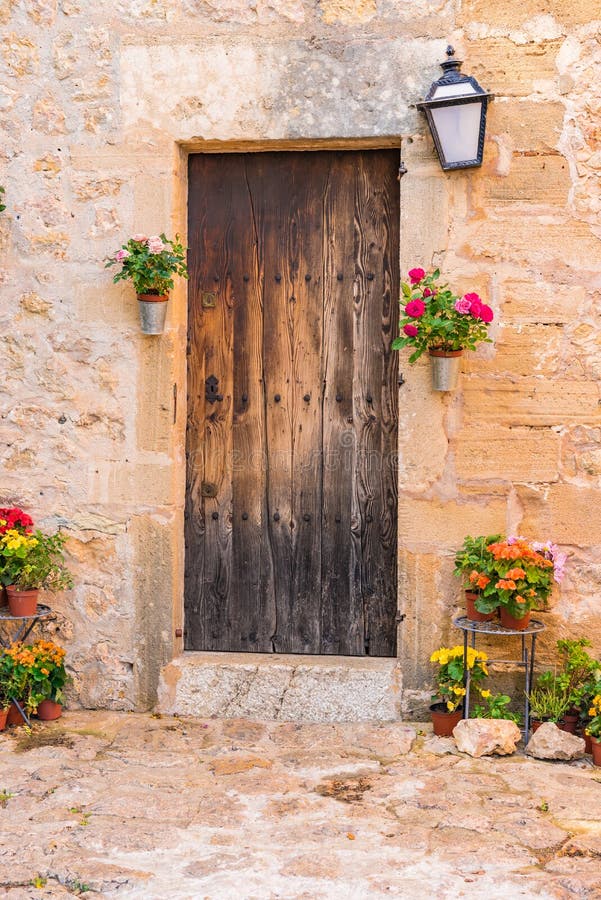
(450, 706)
(460, 691)
(485, 694)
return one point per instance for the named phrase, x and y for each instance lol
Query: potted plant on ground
(31, 562)
(522, 577)
(450, 685)
(49, 677)
(18, 663)
(593, 729)
(473, 566)
(436, 319)
(495, 706)
(579, 676)
(548, 701)
(151, 263)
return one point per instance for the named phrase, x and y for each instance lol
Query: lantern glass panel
(458, 130)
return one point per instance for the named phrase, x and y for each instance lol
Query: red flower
(416, 275)
(410, 330)
(428, 293)
(415, 308)
(14, 518)
(472, 298)
(475, 309)
(486, 314)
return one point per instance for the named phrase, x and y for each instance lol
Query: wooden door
(291, 495)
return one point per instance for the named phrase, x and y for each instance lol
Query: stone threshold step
(278, 687)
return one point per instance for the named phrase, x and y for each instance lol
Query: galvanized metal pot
(153, 309)
(446, 366)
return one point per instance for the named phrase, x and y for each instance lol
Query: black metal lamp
(456, 111)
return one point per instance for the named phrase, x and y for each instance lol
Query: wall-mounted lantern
(456, 111)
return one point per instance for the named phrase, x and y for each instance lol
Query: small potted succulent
(473, 564)
(436, 319)
(447, 708)
(29, 563)
(151, 263)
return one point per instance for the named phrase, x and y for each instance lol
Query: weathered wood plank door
(290, 522)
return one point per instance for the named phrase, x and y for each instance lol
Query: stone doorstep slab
(286, 688)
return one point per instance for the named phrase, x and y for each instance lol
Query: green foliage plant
(474, 566)
(495, 706)
(580, 672)
(150, 262)
(594, 725)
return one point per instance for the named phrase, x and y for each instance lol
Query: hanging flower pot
(22, 603)
(153, 311)
(446, 366)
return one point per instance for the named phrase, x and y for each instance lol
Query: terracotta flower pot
(22, 603)
(153, 310)
(49, 710)
(588, 743)
(14, 717)
(472, 613)
(570, 723)
(3, 597)
(508, 621)
(444, 721)
(3, 718)
(535, 724)
(446, 365)
(596, 751)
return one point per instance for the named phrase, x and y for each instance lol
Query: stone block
(541, 179)
(515, 70)
(493, 452)
(541, 302)
(529, 401)
(281, 688)
(512, 13)
(520, 350)
(137, 484)
(155, 409)
(530, 125)
(347, 12)
(421, 423)
(564, 513)
(433, 525)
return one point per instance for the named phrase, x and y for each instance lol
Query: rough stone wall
(99, 101)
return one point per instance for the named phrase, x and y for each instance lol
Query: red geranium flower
(410, 330)
(486, 313)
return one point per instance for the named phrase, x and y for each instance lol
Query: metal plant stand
(526, 662)
(24, 625)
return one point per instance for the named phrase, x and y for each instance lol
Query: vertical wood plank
(374, 413)
(341, 597)
(209, 446)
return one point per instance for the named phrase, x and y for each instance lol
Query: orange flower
(474, 576)
(515, 574)
(505, 585)
(518, 599)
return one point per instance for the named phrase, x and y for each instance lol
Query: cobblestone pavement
(130, 806)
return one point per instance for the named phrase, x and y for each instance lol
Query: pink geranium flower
(416, 275)
(121, 255)
(410, 330)
(486, 314)
(415, 308)
(139, 238)
(475, 308)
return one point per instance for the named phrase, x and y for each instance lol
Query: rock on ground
(483, 737)
(550, 742)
